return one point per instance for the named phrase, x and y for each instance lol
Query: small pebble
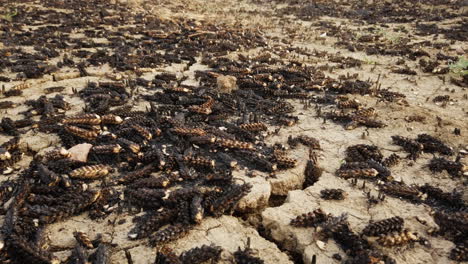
(337, 256)
(320, 244)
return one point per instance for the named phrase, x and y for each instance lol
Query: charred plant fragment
(354, 104)
(441, 98)
(233, 144)
(67, 209)
(205, 108)
(6, 191)
(454, 168)
(383, 172)
(391, 160)
(227, 160)
(23, 250)
(197, 211)
(312, 171)
(7, 126)
(435, 196)
(13, 92)
(199, 161)
(260, 161)
(88, 119)
(183, 213)
(102, 255)
(201, 254)
(7, 104)
(10, 154)
(364, 121)
(246, 256)
(175, 196)
(156, 156)
(136, 174)
(402, 238)
(54, 89)
(452, 224)
(47, 176)
(370, 256)
(333, 194)
(146, 197)
(338, 228)
(228, 200)
(83, 239)
(91, 172)
(255, 127)
(311, 219)
(78, 255)
(385, 226)
(415, 118)
(64, 165)
(56, 154)
(357, 173)
(12, 144)
(459, 253)
(401, 190)
(81, 132)
(111, 119)
(4, 154)
(285, 162)
(144, 132)
(152, 222)
(432, 144)
(362, 152)
(107, 149)
(129, 145)
(165, 255)
(152, 182)
(105, 204)
(183, 131)
(413, 147)
(169, 233)
(305, 140)
(404, 70)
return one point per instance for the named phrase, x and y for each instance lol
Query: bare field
(218, 107)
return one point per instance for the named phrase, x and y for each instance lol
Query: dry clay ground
(264, 215)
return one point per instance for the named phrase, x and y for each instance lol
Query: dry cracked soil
(403, 61)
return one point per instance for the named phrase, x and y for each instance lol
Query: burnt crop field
(186, 131)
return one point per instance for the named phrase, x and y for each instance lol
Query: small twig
(200, 33)
(211, 228)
